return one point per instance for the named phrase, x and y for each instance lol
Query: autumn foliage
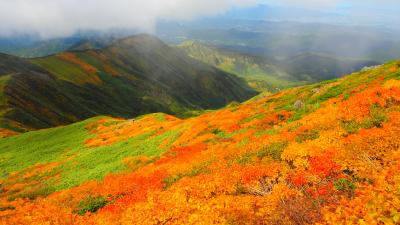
(334, 161)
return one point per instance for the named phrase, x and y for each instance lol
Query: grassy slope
(259, 73)
(77, 162)
(264, 132)
(62, 143)
(64, 70)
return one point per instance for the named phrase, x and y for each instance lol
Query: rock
(299, 104)
(315, 90)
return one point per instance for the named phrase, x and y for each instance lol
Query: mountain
(261, 73)
(317, 67)
(267, 73)
(30, 46)
(133, 76)
(326, 153)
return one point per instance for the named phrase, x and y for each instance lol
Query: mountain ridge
(120, 80)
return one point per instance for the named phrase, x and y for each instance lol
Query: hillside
(133, 76)
(263, 74)
(312, 66)
(324, 153)
(267, 73)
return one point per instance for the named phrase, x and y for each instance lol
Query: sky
(55, 18)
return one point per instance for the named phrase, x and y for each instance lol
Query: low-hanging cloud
(52, 18)
(63, 17)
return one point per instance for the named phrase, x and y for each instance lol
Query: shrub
(351, 127)
(169, 181)
(297, 210)
(91, 204)
(376, 119)
(274, 150)
(7, 207)
(307, 135)
(344, 185)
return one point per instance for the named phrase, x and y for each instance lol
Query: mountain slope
(312, 66)
(266, 73)
(260, 73)
(133, 76)
(326, 153)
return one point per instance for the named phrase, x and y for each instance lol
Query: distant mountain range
(267, 73)
(285, 39)
(132, 76)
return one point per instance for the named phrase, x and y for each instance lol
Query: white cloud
(63, 17)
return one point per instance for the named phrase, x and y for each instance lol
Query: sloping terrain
(31, 46)
(269, 74)
(133, 76)
(314, 67)
(327, 153)
(260, 73)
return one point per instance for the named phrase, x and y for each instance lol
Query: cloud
(311, 3)
(63, 17)
(52, 18)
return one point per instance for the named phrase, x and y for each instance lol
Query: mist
(57, 18)
(60, 18)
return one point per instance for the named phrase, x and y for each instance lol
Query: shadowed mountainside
(133, 76)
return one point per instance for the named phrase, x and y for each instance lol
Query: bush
(274, 150)
(7, 207)
(91, 204)
(376, 119)
(344, 185)
(307, 135)
(169, 181)
(351, 127)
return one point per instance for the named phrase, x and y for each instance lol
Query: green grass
(77, 162)
(91, 204)
(64, 70)
(43, 146)
(249, 119)
(273, 150)
(95, 163)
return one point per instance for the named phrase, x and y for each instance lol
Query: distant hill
(267, 73)
(317, 67)
(260, 73)
(133, 76)
(30, 47)
(285, 39)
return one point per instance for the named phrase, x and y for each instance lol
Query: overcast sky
(51, 18)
